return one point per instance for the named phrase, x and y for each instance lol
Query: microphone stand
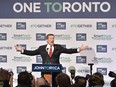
(87, 76)
(91, 64)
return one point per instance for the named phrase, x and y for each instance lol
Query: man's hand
(83, 47)
(19, 48)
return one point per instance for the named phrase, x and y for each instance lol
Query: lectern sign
(47, 67)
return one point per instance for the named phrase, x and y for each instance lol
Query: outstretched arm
(27, 52)
(70, 51)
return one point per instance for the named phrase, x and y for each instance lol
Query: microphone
(71, 69)
(47, 49)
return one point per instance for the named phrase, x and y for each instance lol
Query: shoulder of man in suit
(55, 45)
(42, 46)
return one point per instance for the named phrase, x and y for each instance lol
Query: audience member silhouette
(96, 80)
(113, 83)
(63, 80)
(25, 79)
(6, 78)
(80, 81)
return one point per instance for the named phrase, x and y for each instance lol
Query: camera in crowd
(113, 82)
(112, 74)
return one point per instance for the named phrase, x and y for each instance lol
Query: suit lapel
(54, 50)
(46, 50)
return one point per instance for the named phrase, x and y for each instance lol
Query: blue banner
(57, 9)
(47, 67)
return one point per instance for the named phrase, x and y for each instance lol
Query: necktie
(50, 51)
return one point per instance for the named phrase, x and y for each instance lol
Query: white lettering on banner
(108, 7)
(37, 67)
(46, 68)
(77, 7)
(88, 7)
(67, 7)
(34, 7)
(17, 10)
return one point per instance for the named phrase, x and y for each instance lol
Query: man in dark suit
(50, 52)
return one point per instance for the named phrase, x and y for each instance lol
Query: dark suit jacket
(46, 59)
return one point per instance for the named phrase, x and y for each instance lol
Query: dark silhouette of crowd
(26, 79)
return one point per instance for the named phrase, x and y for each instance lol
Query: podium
(47, 68)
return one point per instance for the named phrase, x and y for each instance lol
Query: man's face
(50, 40)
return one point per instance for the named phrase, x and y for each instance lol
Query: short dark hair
(4, 74)
(5, 77)
(44, 86)
(49, 35)
(63, 80)
(96, 79)
(113, 83)
(25, 78)
(81, 81)
(74, 85)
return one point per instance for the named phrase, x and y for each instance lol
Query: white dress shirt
(48, 48)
